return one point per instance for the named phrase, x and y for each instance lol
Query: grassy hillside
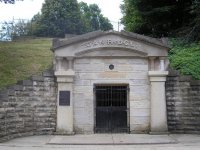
(23, 58)
(185, 58)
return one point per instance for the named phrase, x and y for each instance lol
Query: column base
(159, 133)
(64, 133)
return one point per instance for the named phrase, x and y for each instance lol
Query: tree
(194, 25)
(131, 16)
(57, 18)
(60, 17)
(93, 19)
(6, 31)
(20, 28)
(156, 18)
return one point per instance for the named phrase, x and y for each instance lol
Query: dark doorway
(111, 109)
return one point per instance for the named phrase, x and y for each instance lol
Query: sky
(28, 8)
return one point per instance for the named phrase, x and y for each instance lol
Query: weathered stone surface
(139, 112)
(37, 78)
(28, 107)
(18, 87)
(96, 41)
(48, 73)
(92, 71)
(183, 103)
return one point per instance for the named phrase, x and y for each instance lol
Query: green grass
(185, 58)
(21, 59)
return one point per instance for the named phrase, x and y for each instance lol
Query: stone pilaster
(65, 81)
(158, 121)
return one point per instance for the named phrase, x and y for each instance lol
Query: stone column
(162, 63)
(158, 102)
(152, 63)
(59, 63)
(65, 81)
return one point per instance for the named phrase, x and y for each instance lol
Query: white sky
(28, 8)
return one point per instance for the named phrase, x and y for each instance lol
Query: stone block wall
(183, 104)
(29, 107)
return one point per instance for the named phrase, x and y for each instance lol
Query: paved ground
(105, 142)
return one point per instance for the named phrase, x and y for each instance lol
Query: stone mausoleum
(111, 82)
(103, 82)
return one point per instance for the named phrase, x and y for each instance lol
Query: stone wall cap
(158, 73)
(173, 73)
(57, 43)
(195, 83)
(185, 78)
(48, 73)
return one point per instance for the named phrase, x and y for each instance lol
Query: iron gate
(111, 109)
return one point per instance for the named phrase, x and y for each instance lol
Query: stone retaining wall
(29, 107)
(183, 104)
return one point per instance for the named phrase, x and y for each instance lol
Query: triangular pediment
(110, 43)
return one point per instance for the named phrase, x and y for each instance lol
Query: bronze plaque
(64, 98)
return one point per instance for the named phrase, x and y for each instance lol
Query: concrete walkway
(105, 142)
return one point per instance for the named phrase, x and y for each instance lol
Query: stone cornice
(58, 43)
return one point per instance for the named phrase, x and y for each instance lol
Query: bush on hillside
(185, 58)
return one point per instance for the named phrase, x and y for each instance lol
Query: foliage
(10, 30)
(60, 17)
(21, 59)
(93, 19)
(185, 58)
(131, 17)
(57, 18)
(6, 31)
(19, 29)
(194, 26)
(156, 18)
(175, 18)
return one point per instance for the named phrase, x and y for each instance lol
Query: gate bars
(112, 110)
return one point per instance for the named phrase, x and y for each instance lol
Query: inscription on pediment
(107, 53)
(111, 42)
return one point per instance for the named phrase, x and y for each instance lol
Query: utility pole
(118, 26)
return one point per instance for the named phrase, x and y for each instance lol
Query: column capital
(59, 58)
(152, 57)
(162, 58)
(152, 63)
(157, 76)
(70, 58)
